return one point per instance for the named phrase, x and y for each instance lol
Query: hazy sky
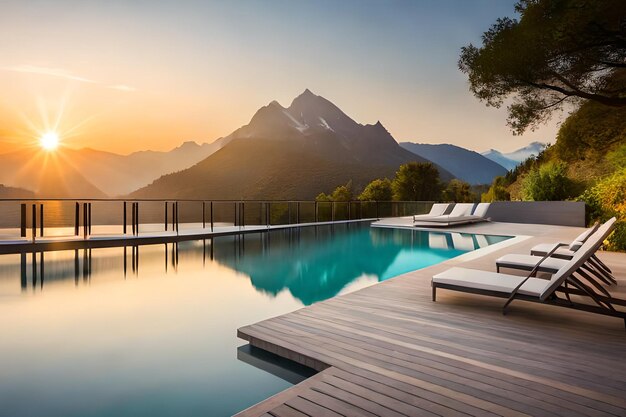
(129, 75)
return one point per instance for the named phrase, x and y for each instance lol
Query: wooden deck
(388, 350)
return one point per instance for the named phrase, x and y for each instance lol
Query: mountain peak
(275, 103)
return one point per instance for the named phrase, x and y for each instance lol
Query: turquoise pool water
(152, 331)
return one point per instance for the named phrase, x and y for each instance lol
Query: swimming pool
(152, 330)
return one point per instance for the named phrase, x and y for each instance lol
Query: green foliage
(591, 128)
(559, 51)
(341, 193)
(617, 157)
(549, 182)
(377, 190)
(417, 181)
(497, 192)
(607, 199)
(459, 192)
(322, 197)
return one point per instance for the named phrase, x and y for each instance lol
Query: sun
(49, 141)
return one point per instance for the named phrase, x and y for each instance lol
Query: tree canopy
(377, 190)
(341, 193)
(558, 51)
(459, 192)
(417, 181)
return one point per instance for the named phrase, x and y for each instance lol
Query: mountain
(290, 153)
(119, 175)
(464, 164)
(12, 192)
(512, 159)
(93, 173)
(48, 174)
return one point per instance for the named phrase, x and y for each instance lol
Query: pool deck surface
(388, 350)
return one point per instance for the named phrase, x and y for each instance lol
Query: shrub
(417, 181)
(497, 191)
(459, 192)
(549, 182)
(607, 199)
(377, 190)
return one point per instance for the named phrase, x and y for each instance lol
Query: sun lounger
(567, 251)
(463, 213)
(566, 281)
(438, 209)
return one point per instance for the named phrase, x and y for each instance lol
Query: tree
(458, 191)
(558, 51)
(549, 182)
(497, 191)
(341, 193)
(377, 190)
(417, 181)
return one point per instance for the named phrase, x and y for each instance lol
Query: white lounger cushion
(462, 209)
(519, 261)
(490, 281)
(481, 209)
(543, 249)
(436, 210)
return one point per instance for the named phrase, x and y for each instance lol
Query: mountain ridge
(290, 152)
(467, 165)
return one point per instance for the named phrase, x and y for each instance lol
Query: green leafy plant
(377, 190)
(548, 182)
(417, 181)
(607, 199)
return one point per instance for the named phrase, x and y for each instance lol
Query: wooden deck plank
(389, 349)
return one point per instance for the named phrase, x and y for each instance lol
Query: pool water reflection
(151, 330)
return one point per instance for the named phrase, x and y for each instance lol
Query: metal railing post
(124, 217)
(41, 220)
(377, 212)
(298, 212)
(137, 217)
(89, 217)
(165, 217)
(132, 217)
(349, 210)
(77, 219)
(242, 212)
(34, 224)
(203, 215)
(84, 220)
(177, 219)
(211, 208)
(23, 220)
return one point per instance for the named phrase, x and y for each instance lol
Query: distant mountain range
(464, 164)
(290, 153)
(12, 192)
(89, 173)
(512, 159)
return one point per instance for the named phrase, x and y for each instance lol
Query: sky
(123, 76)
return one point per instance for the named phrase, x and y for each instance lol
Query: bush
(459, 192)
(497, 191)
(341, 193)
(417, 181)
(549, 182)
(377, 190)
(607, 199)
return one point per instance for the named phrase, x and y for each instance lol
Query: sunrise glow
(49, 141)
